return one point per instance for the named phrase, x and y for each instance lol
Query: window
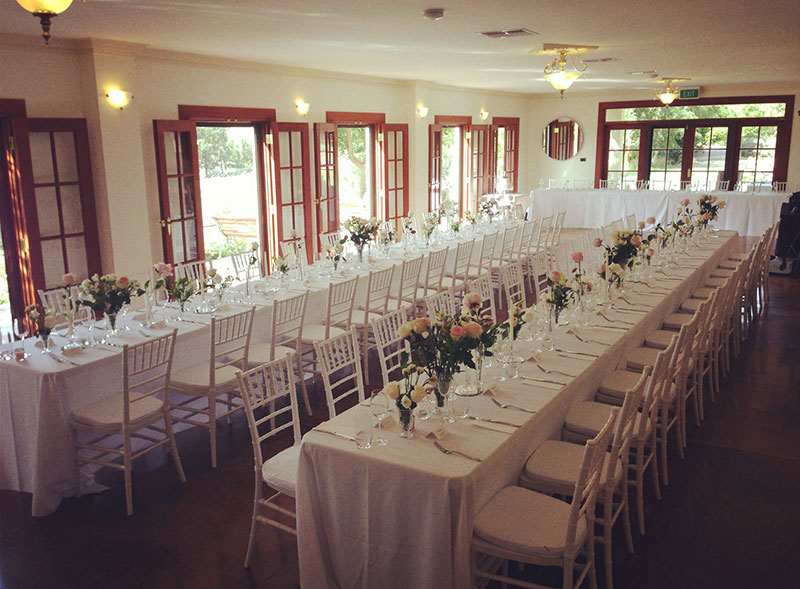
(742, 142)
(449, 159)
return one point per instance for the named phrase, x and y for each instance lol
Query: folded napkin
(558, 364)
(463, 438)
(335, 428)
(525, 395)
(604, 335)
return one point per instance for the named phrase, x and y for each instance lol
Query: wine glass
(6, 355)
(21, 332)
(379, 405)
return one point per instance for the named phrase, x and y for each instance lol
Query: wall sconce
(118, 98)
(483, 115)
(302, 107)
(45, 10)
(422, 111)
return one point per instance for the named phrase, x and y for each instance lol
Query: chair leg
(173, 447)
(654, 467)
(126, 461)
(608, 508)
(663, 445)
(212, 428)
(365, 353)
(626, 518)
(569, 563)
(302, 378)
(253, 525)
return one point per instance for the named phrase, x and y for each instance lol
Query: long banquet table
(38, 395)
(401, 515)
(748, 214)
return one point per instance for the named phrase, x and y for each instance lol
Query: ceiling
(711, 41)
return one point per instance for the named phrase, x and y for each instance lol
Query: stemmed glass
(379, 405)
(20, 331)
(5, 355)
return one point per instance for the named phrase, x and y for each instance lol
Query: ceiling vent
(601, 60)
(508, 33)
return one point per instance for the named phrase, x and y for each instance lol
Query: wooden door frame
(512, 123)
(402, 211)
(321, 129)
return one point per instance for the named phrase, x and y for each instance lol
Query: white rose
(406, 402)
(50, 321)
(392, 390)
(212, 272)
(254, 246)
(418, 393)
(217, 279)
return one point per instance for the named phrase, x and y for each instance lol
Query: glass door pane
(623, 157)
(396, 172)
(665, 158)
(708, 157)
(757, 156)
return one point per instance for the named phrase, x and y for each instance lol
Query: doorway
(356, 171)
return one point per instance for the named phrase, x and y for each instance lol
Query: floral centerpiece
(486, 336)
(471, 217)
(430, 222)
(441, 348)
(281, 264)
(41, 323)
(560, 293)
(361, 232)
(334, 254)
(489, 207)
(108, 294)
(407, 398)
(68, 281)
(709, 207)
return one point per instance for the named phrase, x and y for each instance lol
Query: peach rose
(577, 257)
(68, 278)
(473, 300)
(588, 286)
(706, 216)
(598, 242)
(651, 220)
(641, 225)
(651, 251)
(457, 332)
(636, 241)
(555, 276)
(123, 282)
(163, 270)
(685, 202)
(473, 330)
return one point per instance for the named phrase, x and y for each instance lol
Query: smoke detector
(434, 13)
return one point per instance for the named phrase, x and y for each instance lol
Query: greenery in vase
(334, 254)
(215, 280)
(108, 293)
(516, 319)
(281, 264)
(582, 286)
(411, 393)
(361, 231)
(41, 322)
(560, 294)
(489, 206)
(709, 207)
(182, 289)
(429, 224)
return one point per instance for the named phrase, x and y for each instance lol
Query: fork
(549, 371)
(507, 406)
(586, 340)
(444, 450)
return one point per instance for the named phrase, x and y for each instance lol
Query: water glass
(379, 405)
(363, 433)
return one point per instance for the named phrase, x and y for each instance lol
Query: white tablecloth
(37, 396)
(748, 214)
(401, 515)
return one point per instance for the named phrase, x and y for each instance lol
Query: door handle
(167, 224)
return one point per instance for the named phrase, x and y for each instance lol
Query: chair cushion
(197, 377)
(280, 471)
(527, 522)
(659, 338)
(729, 264)
(587, 417)
(676, 320)
(690, 305)
(109, 412)
(713, 281)
(555, 465)
(721, 273)
(619, 382)
(739, 256)
(638, 358)
(703, 292)
(358, 318)
(261, 354)
(316, 332)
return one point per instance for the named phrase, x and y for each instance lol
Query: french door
(480, 175)
(179, 191)
(505, 139)
(290, 210)
(326, 150)
(395, 172)
(435, 167)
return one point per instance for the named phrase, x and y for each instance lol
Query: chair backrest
(339, 358)
(295, 248)
(288, 316)
(630, 222)
(191, 270)
(511, 275)
(486, 253)
(558, 225)
(722, 184)
(624, 429)
(483, 286)
(518, 211)
(246, 264)
(329, 240)
(230, 341)
(507, 245)
(461, 268)
(525, 237)
(586, 485)
(603, 184)
(378, 285)
(56, 300)
(543, 232)
(642, 184)
(441, 301)
(269, 390)
(409, 278)
(146, 369)
(388, 342)
(341, 298)
(540, 264)
(435, 272)
(606, 231)
(659, 379)
(617, 225)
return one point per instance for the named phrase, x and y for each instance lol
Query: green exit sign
(690, 93)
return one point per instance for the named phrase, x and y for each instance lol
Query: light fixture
(556, 72)
(118, 98)
(422, 111)
(45, 10)
(668, 93)
(483, 115)
(434, 13)
(302, 107)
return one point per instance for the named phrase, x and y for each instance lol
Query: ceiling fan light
(667, 97)
(45, 10)
(562, 80)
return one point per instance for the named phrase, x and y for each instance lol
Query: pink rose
(680, 232)
(651, 220)
(555, 276)
(706, 216)
(68, 278)
(163, 270)
(651, 251)
(577, 257)
(636, 241)
(473, 301)
(602, 269)
(123, 282)
(686, 219)
(598, 242)
(456, 332)
(685, 202)
(588, 286)
(473, 330)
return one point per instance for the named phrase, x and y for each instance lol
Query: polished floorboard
(729, 518)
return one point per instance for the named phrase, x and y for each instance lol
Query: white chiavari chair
(378, 285)
(214, 377)
(554, 236)
(286, 329)
(407, 295)
(482, 262)
(444, 301)
(509, 526)
(483, 286)
(554, 466)
(460, 273)
(518, 211)
(542, 233)
(389, 343)
(340, 365)
(246, 265)
(617, 225)
(329, 240)
(642, 184)
(722, 185)
(540, 266)
(192, 270)
(133, 413)
(434, 273)
(603, 185)
(270, 403)
(630, 222)
(514, 285)
(56, 300)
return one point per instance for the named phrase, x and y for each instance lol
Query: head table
(401, 515)
(38, 395)
(748, 214)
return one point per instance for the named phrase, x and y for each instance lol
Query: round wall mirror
(562, 139)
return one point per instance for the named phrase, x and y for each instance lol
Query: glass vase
(45, 338)
(406, 420)
(441, 391)
(111, 325)
(72, 337)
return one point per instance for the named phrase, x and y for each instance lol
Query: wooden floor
(729, 518)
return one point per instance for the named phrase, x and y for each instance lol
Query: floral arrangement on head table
(709, 208)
